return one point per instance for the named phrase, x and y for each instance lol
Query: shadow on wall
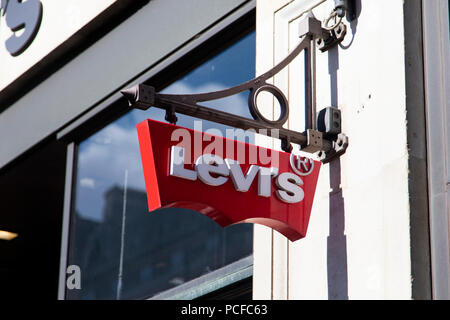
(353, 19)
(337, 271)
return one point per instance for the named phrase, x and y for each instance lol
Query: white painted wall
(358, 244)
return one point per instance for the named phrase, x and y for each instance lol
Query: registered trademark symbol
(302, 166)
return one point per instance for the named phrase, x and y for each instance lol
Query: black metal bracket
(327, 145)
(332, 38)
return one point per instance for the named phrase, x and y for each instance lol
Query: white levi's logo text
(215, 171)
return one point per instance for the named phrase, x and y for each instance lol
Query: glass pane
(164, 248)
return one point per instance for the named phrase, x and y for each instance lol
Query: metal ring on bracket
(284, 105)
(336, 21)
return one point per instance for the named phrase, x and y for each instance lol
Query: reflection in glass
(167, 247)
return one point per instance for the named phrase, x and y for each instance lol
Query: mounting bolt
(286, 145)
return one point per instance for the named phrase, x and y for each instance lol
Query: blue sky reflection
(105, 156)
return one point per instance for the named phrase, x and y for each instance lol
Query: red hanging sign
(227, 180)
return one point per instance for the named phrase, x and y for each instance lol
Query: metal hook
(171, 117)
(286, 145)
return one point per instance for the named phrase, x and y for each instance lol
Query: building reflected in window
(162, 250)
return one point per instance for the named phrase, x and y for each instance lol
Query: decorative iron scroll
(320, 136)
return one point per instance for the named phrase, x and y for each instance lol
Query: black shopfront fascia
(196, 51)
